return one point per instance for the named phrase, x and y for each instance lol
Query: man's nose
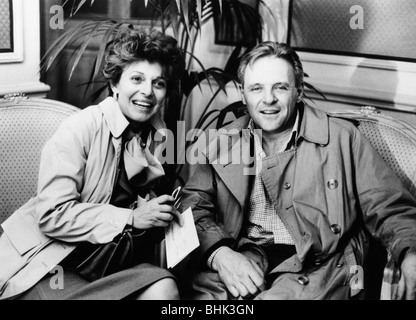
(269, 97)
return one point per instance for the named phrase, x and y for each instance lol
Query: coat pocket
(21, 228)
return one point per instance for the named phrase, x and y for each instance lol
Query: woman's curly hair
(131, 45)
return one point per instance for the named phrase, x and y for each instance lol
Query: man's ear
(243, 98)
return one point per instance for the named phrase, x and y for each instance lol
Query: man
(297, 227)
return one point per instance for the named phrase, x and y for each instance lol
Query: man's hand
(407, 284)
(239, 273)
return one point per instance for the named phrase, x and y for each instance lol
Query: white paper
(180, 241)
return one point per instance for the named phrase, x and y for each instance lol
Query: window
(366, 28)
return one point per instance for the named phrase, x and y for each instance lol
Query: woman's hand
(158, 212)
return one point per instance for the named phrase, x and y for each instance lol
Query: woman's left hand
(158, 212)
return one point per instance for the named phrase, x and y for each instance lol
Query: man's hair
(272, 49)
(131, 45)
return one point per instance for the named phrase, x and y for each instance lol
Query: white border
(17, 54)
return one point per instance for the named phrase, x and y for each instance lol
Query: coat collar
(232, 162)
(313, 128)
(117, 122)
(314, 125)
(233, 131)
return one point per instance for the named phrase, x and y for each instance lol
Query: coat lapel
(229, 154)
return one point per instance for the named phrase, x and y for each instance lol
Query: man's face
(270, 94)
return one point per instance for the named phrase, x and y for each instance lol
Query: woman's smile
(143, 105)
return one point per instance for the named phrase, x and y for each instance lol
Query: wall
(358, 66)
(22, 76)
(346, 81)
(350, 82)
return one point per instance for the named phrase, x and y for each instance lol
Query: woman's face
(141, 90)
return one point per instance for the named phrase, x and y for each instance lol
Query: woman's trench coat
(78, 170)
(337, 187)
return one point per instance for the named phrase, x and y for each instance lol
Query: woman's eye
(160, 84)
(138, 79)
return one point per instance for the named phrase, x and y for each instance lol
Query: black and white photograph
(204, 156)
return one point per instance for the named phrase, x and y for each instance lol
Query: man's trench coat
(338, 187)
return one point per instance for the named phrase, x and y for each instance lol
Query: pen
(175, 194)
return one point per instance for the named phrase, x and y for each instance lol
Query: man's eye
(281, 88)
(254, 89)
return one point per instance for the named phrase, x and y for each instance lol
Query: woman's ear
(113, 87)
(114, 90)
(300, 94)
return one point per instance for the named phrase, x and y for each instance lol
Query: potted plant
(237, 23)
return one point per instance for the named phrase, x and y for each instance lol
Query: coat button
(339, 265)
(287, 185)
(332, 184)
(303, 280)
(336, 229)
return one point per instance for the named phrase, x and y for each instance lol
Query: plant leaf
(101, 51)
(174, 20)
(92, 34)
(205, 117)
(79, 6)
(199, 123)
(61, 43)
(237, 108)
(199, 9)
(178, 5)
(185, 15)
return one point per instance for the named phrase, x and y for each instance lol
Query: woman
(96, 179)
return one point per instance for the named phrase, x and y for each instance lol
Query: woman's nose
(146, 88)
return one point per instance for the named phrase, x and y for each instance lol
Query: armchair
(395, 141)
(25, 126)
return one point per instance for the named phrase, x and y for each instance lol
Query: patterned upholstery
(395, 141)
(25, 126)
